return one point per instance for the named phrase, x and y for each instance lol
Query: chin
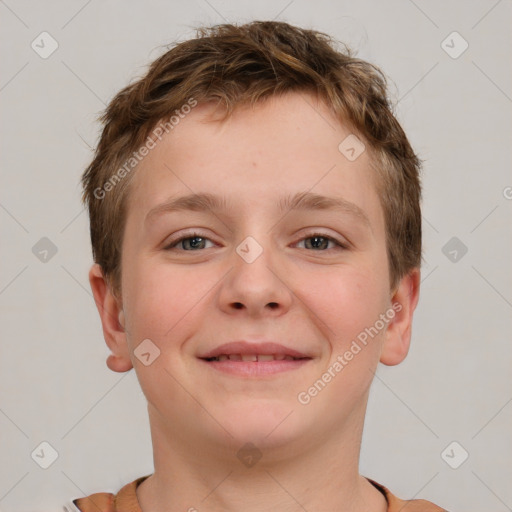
(263, 423)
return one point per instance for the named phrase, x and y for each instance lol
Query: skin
(316, 299)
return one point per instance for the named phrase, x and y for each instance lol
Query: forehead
(268, 152)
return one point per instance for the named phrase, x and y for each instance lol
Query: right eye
(189, 242)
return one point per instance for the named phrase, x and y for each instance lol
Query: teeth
(254, 357)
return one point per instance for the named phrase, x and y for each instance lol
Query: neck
(318, 474)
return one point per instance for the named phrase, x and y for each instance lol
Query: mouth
(254, 359)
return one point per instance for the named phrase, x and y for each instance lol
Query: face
(290, 251)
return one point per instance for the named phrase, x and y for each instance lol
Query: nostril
(239, 305)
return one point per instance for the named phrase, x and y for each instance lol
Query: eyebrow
(300, 201)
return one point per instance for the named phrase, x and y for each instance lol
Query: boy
(256, 232)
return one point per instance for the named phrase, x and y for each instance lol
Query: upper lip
(244, 347)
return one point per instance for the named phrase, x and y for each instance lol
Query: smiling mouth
(253, 357)
(257, 366)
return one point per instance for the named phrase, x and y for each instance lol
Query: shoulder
(124, 501)
(97, 502)
(396, 504)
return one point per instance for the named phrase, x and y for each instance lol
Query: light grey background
(455, 384)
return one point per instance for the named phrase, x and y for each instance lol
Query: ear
(112, 320)
(398, 333)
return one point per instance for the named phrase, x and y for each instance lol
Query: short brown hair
(243, 64)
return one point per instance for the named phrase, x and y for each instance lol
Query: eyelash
(188, 236)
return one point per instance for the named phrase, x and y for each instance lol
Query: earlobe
(398, 334)
(112, 320)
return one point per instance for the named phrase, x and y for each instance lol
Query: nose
(255, 287)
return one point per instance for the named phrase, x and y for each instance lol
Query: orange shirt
(126, 501)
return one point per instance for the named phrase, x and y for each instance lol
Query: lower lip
(256, 368)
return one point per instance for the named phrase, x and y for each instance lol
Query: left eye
(320, 241)
(189, 243)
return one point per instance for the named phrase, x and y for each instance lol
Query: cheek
(160, 305)
(346, 301)
(163, 300)
(350, 303)
(153, 301)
